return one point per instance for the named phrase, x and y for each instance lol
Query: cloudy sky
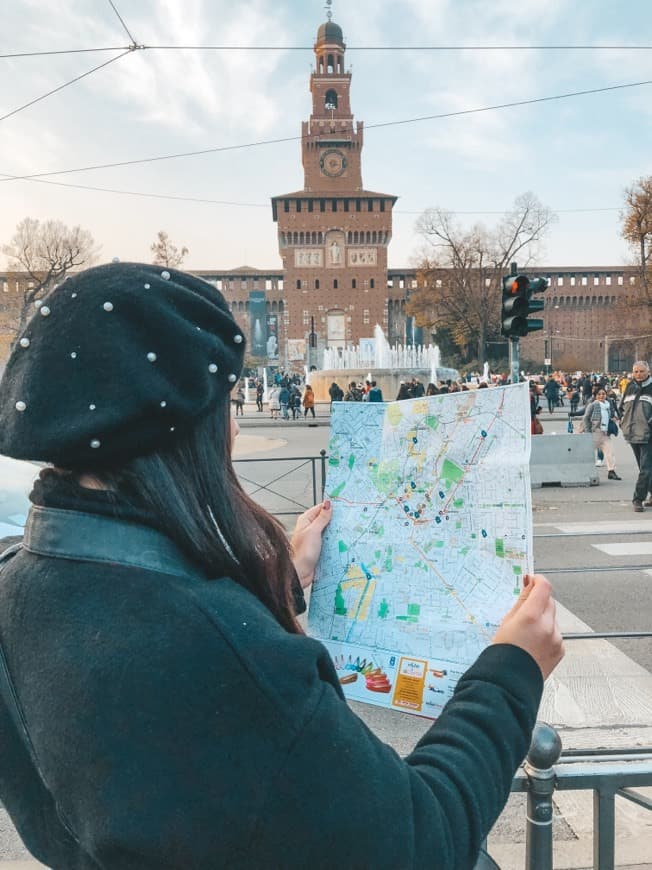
(577, 155)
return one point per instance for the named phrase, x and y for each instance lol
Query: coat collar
(86, 537)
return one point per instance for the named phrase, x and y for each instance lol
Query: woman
(597, 416)
(238, 401)
(274, 402)
(308, 401)
(160, 706)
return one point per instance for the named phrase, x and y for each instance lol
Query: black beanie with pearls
(117, 361)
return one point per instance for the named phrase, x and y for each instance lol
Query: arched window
(317, 284)
(330, 100)
(331, 64)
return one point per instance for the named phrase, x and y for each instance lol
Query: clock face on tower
(332, 162)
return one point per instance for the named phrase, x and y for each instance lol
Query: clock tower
(333, 234)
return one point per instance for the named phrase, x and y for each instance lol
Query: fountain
(375, 359)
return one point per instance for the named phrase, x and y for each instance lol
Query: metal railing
(261, 476)
(607, 773)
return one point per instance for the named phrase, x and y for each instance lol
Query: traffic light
(518, 304)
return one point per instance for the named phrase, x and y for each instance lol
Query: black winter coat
(175, 724)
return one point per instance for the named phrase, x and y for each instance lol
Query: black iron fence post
(545, 751)
(322, 453)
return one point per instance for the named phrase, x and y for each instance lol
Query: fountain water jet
(378, 360)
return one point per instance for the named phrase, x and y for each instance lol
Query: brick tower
(333, 234)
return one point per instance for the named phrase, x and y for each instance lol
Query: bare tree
(460, 271)
(46, 252)
(167, 254)
(636, 220)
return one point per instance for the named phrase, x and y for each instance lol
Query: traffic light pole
(514, 361)
(514, 358)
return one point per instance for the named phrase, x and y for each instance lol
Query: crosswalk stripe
(606, 527)
(632, 548)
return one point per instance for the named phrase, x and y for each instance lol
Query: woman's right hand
(531, 624)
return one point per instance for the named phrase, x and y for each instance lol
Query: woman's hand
(306, 540)
(532, 624)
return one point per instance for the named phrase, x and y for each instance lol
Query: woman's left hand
(306, 540)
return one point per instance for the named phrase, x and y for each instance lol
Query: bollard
(545, 750)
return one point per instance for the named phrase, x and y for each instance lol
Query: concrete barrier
(563, 460)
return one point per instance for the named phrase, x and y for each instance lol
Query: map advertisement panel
(430, 538)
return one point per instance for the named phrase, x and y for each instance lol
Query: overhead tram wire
(126, 29)
(65, 85)
(284, 139)
(265, 205)
(438, 48)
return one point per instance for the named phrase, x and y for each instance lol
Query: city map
(430, 537)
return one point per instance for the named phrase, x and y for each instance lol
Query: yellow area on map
(394, 414)
(359, 608)
(420, 407)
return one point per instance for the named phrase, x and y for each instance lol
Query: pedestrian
(274, 402)
(308, 401)
(432, 390)
(295, 402)
(551, 392)
(353, 393)
(160, 705)
(336, 393)
(403, 392)
(260, 392)
(375, 394)
(238, 401)
(284, 400)
(636, 415)
(597, 417)
(418, 389)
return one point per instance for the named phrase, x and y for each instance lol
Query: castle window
(372, 283)
(572, 280)
(620, 280)
(560, 281)
(310, 205)
(322, 205)
(632, 279)
(596, 280)
(298, 283)
(317, 284)
(382, 205)
(268, 283)
(358, 205)
(331, 100)
(331, 63)
(354, 284)
(286, 205)
(335, 285)
(607, 280)
(370, 205)
(298, 205)
(346, 205)
(585, 280)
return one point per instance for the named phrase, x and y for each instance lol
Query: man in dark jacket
(551, 391)
(375, 394)
(636, 415)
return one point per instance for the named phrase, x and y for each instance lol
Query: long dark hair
(192, 491)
